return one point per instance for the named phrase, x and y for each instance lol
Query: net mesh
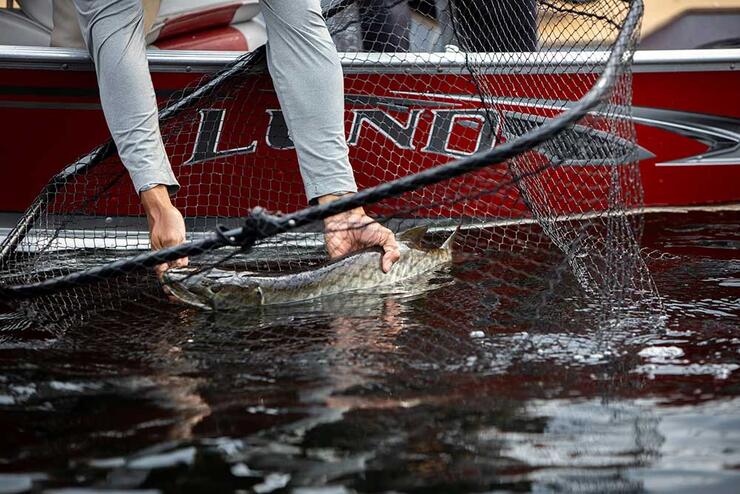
(542, 238)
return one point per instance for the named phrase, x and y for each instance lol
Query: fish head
(231, 296)
(179, 284)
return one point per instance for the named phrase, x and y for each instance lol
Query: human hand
(354, 230)
(166, 225)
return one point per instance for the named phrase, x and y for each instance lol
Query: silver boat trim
(137, 239)
(184, 61)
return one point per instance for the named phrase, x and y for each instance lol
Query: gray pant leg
(307, 75)
(114, 34)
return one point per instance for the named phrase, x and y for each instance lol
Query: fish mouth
(183, 294)
(175, 281)
(192, 287)
(176, 275)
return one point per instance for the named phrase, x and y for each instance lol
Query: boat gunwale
(194, 61)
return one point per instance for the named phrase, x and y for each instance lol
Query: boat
(686, 108)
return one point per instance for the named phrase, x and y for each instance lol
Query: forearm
(114, 34)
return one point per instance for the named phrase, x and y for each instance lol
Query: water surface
(455, 389)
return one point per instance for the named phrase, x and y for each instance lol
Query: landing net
(541, 235)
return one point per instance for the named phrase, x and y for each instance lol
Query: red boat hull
(51, 117)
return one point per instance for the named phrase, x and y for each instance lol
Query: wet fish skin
(359, 271)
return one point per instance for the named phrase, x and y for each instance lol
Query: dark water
(393, 394)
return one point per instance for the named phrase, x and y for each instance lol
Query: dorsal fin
(413, 236)
(450, 240)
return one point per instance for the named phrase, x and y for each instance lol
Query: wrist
(155, 200)
(333, 197)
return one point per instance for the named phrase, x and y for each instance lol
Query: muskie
(359, 271)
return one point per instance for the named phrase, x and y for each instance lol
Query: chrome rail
(183, 61)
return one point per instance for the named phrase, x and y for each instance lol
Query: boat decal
(399, 118)
(578, 144)
(401, 134)
(208, 137)
(720, 134)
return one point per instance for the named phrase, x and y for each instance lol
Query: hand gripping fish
(356, 272)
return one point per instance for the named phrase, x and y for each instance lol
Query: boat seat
(241, 10)
(16, 28)
(242, 36)
(188, 17)
(42, 11)
(180, 24)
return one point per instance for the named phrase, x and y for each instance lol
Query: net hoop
(260, 225)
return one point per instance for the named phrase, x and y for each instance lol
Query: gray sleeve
(308, 79)
(114, 35)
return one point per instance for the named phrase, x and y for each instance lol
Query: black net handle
(260, 225)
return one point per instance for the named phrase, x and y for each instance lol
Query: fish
(356, 272)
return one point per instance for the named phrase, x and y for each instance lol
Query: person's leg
(307, 74)
(114, 35)
(66, 32)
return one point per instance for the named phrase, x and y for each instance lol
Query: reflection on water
(460, 387)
